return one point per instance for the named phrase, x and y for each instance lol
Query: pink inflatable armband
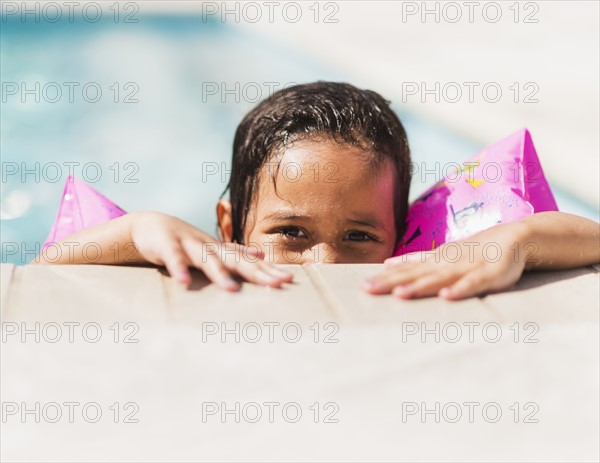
(503, 183)
(80, 207)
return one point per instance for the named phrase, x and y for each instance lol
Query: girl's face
(325, 205)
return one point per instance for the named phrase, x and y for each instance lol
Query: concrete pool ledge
(318, 293)
(162, 353)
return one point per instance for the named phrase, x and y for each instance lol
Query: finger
(177, 262)
(206, 257)
(261, 273)
(425, 286)
(279, 272)
(384, 282)
(219, 274)
(469, 285)
(251, 266)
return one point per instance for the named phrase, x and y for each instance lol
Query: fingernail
(445, 293)
(369, 284)
(231, 283)
(183, 278)
(401, 291)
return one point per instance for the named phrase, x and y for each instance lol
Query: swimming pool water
(155, 135)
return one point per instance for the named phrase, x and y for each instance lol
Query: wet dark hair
(338, 111)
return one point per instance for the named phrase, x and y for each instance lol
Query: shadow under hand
(199, 280)
(537, 278)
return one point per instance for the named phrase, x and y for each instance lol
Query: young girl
(320, 174)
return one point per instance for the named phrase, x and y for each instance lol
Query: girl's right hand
(165, 240)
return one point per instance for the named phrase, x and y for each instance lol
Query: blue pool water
(157, 136)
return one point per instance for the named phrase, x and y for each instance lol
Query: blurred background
(142, 99)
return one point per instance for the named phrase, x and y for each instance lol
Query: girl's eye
(292, 232)
(358, 236)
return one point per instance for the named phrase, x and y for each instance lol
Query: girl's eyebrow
(286, 215)
(369, 221)
(365, 221)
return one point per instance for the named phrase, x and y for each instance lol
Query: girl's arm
(108, 243)
(493, 259)
(160, 239)
(560, 240)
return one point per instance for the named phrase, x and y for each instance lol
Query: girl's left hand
(487, 262)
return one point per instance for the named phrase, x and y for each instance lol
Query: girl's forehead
(322, 160)
(319, 147)
(324, 178)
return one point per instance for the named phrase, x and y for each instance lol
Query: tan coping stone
(78, 293)
(549, 297)
(341, 284)
(299, 302)
(369, 373)
(319, 293)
